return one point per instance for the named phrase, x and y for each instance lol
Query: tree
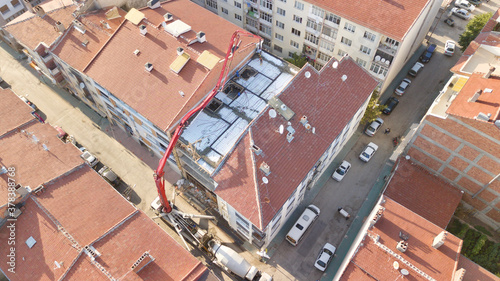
(472, 30)
(297, 60)
(373, 110)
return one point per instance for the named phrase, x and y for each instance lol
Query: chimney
(476, 95)
(105, 24)
(39, 11)
(143, 30)
(265, 168)
(201, 37)
(3, 170)
(153, 4)
(439, 239)
(490, 71)
(377, 216)
(168, 17)
(144, 260)
(60, 26)
(28, 6)
(79, 26)
(459, 274)
(303, 120)
(180, 51)
(402, 246)
(256, 149)
(149, 66)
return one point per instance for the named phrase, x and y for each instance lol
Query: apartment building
(379, 35)
(459, 138)
(10, 9)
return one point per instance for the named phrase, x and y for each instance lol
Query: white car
(461, 13)
(368, 152)
(325, 257)
(374, 126)
(89, 158)
(449, 48)
(400, 90)
(464, 4)
(339, 174)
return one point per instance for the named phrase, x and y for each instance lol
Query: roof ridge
(117, 225)
(256, 182)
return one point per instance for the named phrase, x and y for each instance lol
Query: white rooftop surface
(216, 133)
(484, 58)
(444, 100)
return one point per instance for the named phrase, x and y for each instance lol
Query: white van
(310, 214)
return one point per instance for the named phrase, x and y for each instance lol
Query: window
(280, 24)
(318, 12)
(251, 22)
(266, 4)
(4, 9)
(267, 17)
(278, 36)
(211, 3)
(294, 44)
(324, 57)
(332, 18)
(225, 11)
(295, 31)
(313, 24)
(377, 69)
(276, 224)
(267, 43)
(365, 49)
(297, 19)
(370, 36)
(327, 45)
(280, 11)
(342, 53)
(346, 41)
(14, 3)
(311, 38)
(391, 42)
(349, 27)
(278, 48)
(238, 17)
(330, 32)
(290, 54)
(361, 62)
(265, 29)
(284, 1)
(237, 5)
(299, 5)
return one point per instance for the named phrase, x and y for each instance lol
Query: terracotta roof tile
(315, 97)
(423, 193)
(83, 269)
(13, 111)
(474, 272)
(378, 15)
(484, 38)
(30, 29)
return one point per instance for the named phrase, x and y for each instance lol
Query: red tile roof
(378, 15)
(30, 29)
(315, 97)
(487, 103)
(474, 272)
(51, 245)
(13, 111)
(423, 193)
(377, 261)
(71, 50)
(156, 94)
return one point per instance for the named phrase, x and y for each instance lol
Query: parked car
(368, 152)
(32, 105)
(426, 56)
(374, 126)
(449, 48)
(400, 90)
(341, 171)
(390, 104)
(89, 159)
(325, 257)
(449, 21)
(476, 3)
(464, 4)
(109, 175)
(461, 13)
(417, 67)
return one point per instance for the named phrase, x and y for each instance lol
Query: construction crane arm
(159, 172)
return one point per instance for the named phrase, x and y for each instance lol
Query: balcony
(310, 52)
(253, 14)
(388, 49)
(54, 71)
(46, 58)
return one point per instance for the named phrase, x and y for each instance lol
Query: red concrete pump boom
(158, 175)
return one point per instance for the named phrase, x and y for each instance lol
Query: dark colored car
(426, 56)
(390, 104)
(476, 3)
(450, 22)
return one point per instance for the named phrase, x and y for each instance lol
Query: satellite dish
(282, 129)
(272, 113)
(82, 85)
(404, 272)
(335, 64)
(395, 265)
(283, 107)
(307, 74)
(407, 157)
(265, 180)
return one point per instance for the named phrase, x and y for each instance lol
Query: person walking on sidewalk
(387, 131)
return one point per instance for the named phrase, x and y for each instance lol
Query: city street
(135, 165)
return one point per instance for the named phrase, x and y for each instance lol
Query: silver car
(374, 127)
(340, 172)
(368, 152)
(400, 90)
(325, 257)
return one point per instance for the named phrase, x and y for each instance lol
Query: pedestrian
(387, 131)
